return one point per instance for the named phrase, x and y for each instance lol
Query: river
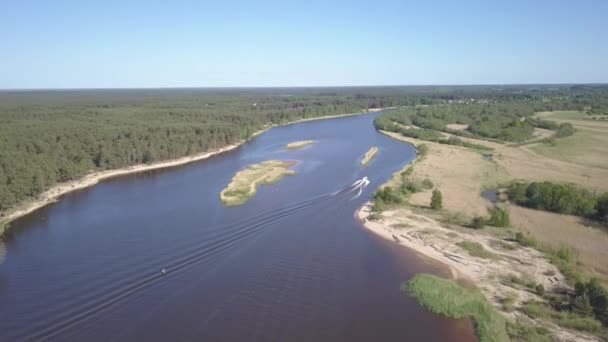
(291, 264)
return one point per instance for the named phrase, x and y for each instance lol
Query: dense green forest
(54, 136)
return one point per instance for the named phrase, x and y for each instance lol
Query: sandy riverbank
(431, 239)
(91, 179)
(504, 271)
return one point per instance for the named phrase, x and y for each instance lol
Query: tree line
(560, 198)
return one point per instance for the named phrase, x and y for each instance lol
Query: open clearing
(586, 147)
(589, 242)
(523, 162)
(457, 127)
(460, 173)
(243, 184)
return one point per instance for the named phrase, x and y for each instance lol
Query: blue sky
(115, 44)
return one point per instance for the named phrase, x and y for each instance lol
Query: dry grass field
(588, 146)
(588, 241)
(461, 174)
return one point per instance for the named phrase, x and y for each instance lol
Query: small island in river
(243, 184)
(369, 155)
(296, 145)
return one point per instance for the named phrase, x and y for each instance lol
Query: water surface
(292, 263)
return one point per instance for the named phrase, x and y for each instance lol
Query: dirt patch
(541, 133)
(457, 127)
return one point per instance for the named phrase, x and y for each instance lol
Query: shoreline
(457, 272)
(55, 192)
(490, 260)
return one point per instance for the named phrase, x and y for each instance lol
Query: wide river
(291, 264)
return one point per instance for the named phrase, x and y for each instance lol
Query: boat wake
(202, 249)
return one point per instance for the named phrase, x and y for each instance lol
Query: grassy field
(588, 146)
(589, 243)
(476, 249)
(444, 297)
(243, 184)
(369, 155)
(563, 115)
(299, 144)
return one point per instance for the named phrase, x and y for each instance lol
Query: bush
(565, 253)
(427, 184)
(478, 222)
(522, 331)
(602, 207)
(598, 297)
(525, 240)
(499, 217)
(410, 186)
(387, 195)
(581, 305)
(539, 289)
(476, 249)
(436, 200)
(423, 149)
(565, 130)
(565, 319)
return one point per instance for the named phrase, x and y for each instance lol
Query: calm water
(291, 264)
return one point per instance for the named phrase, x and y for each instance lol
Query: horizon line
(309, 86)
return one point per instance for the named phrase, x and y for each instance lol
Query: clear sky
(115, 44)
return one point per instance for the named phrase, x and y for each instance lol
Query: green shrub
(476, 249)
(564, 319)
(387, 195)
(565, 130)
(436, 200)
(539, 289)
(427, 184)
(423, 149)
(522, 331)
(478, 222)
(525, 240)
(499, 217)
